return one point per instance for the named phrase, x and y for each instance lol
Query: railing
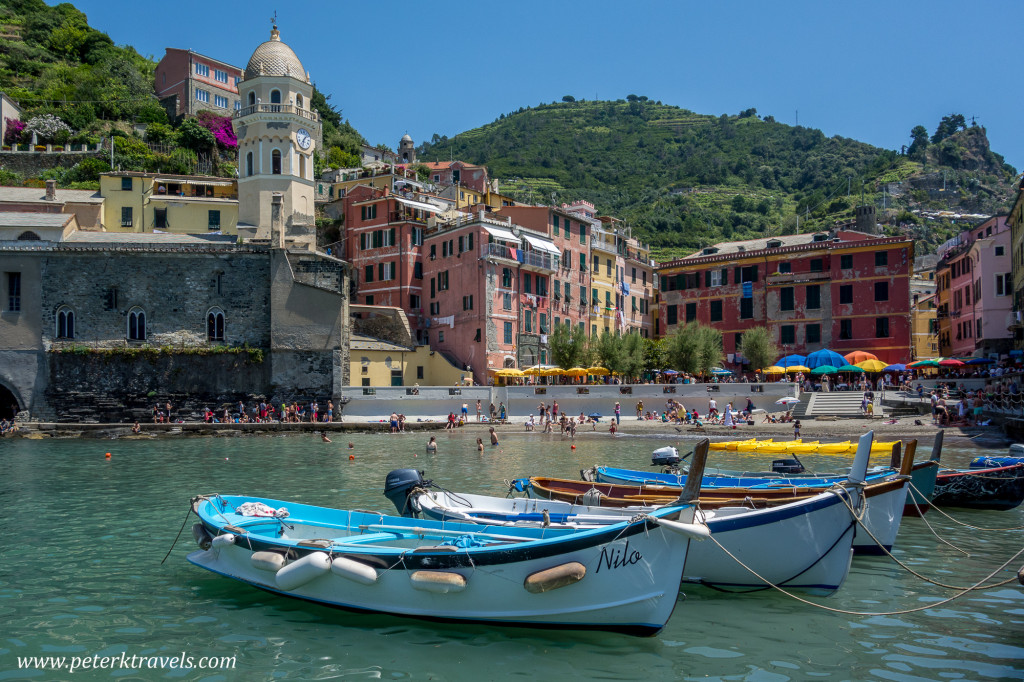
(276, 109)
(492, 250)
(538, 260)
(596, 243)
(52, 148)
(533, 301)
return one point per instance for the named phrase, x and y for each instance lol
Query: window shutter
(725, 276)
(392, 237)
(680, 281)
(362, 241)
(707, 278)
(753, 278)
(738, 274)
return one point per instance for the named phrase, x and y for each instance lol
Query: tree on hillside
(758, 347)
(568, 98)
(947, 126)
(918, 143)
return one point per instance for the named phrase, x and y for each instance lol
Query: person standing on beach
(639, 409)
(618, 413)
(554, 409)
(168, 414)
(330, 411)
(465, 412)
(478, 409)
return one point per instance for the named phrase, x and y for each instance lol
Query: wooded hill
(685, 180)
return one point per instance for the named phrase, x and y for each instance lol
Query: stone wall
(112, 388)
(176, 291)
(29, 164)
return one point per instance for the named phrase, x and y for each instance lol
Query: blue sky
(867, 70)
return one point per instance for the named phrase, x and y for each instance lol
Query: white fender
(267, 561)
(354, 570)
(555, 577)
(694, 531)
(300, 572)
(438, 582)
(224, 540)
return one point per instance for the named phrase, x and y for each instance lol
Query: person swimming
(432, 444)
(494, 437)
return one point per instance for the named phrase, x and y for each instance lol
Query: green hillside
(685, 179)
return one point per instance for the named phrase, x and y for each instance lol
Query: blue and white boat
(623, 577)
(805, 545)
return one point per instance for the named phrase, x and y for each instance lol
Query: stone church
(103, 325)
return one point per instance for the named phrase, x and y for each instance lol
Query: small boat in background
(995, 483)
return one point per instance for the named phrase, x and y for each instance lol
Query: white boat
(622, 577)
(805, 544)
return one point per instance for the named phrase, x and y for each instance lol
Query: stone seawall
(110, 388)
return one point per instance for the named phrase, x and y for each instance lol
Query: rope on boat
(184, 521)
(976, 586)
(967, 525)
(920, 515)
(878, 613)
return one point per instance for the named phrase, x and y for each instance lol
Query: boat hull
(804, 545)
(922, 481)
(1001, 488)
(630, 584)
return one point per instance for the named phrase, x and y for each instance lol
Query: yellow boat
(836, 448)
(805, 448)
(733, 444)
(780, 447)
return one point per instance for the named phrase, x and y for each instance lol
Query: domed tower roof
(406, 138)
(274, 58)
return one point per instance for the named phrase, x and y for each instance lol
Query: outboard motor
(787, 466)
(666, 456)
(397, 486)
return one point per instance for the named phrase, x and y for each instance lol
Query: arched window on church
(252, 99)
(248, 164)
(302, 166)
(136, 324)
(298, 101)
(275, 162)
(65, 323)
(275, 98)
(215, 324)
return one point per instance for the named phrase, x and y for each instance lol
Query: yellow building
(464, 197)
(380, 363)
(605, 263)
(179, 204)
(924, 327)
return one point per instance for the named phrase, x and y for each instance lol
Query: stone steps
(838, 404)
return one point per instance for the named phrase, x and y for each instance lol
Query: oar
(937, 446)
(908, 458)
(695, 475)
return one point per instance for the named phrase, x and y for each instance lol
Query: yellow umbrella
(598, 372)
(872, 365)
(553, 372)
(509, 373)
(798, 368)
(533, 371)
(577, 372)
(774, 369)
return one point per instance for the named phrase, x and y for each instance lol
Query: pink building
(187, 82)
(384, 235)
(459, 173)
(980, 282)
(488, 293)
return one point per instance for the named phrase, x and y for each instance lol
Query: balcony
(601, 245)
(276, 109)
(538, 261)
(533, 301)
(797, 277)
(497, 251)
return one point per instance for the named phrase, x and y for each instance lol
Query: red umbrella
(859, 356)
(951, 362)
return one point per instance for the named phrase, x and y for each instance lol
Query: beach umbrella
(850, 368)
(553, 372)
(577, 372)
(720, 372)
(923, 363)
(533, 371)
(871, 365)
(859, 356)
(774, 369)
(510, 372)
(791, 360)
(980, 361)
(898, 367)
(825, 357)
(824, 369)
(951, 362)
(787, 401)
(670, 372)
(594, 415)
(598, 372)
(798, 368)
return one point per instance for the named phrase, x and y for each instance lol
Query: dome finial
(274, 33)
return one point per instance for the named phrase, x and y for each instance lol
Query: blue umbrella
(720, 372)
(898, 367)
(793, 361)
(979, 361)
(670, 371)
(825, 357)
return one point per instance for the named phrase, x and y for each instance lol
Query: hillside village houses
(441, 280)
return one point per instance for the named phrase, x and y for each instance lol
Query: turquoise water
(83, 536)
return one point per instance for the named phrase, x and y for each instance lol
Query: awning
(418, 205)
(542, 245)
(194, 181)
(501, 233)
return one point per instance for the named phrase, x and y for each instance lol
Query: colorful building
(180, 204)
(976, 282)
(925, 328)
(1016, 222)
(844, 291)
(187, 82)
(459, 173)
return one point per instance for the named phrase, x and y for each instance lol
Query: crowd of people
(7, 426)
(261, 412)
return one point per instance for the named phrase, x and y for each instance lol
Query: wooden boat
(804, 544)
(623, 577)
(998, 487)
(718, 478)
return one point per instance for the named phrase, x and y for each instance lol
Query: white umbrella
(786, 401)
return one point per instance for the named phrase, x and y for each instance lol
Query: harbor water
(83, 536)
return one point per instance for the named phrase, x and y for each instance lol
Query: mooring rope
(920, 515)
(966, 525)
